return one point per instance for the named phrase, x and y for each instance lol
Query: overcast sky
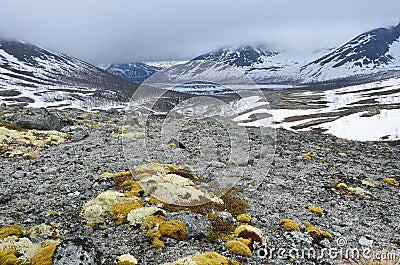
(106, 31)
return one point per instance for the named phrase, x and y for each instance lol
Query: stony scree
(53, 187)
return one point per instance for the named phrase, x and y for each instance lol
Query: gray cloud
(103, 31)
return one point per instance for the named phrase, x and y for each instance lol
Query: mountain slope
(374, 51)
(35, 76)
(137, 72)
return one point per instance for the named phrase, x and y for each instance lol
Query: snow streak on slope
(363, 112)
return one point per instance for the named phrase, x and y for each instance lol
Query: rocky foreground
(70, 195)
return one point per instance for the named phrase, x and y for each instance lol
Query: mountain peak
(244, 55)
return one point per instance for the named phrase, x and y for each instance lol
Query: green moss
(9, 257)
(11, 230)
(289, 225)
(45, 255)
(220, 229)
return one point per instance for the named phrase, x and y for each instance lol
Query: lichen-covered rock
(208, 258)
(109, 203)
(43, 230)
(28, 141)
(76, 251)
(370, 182)
(289, 225)
(238, 248)
(126, 259)
(173, 184)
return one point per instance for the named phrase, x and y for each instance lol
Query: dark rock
(79, 134)
(41, 119)
(76, 251)
(196, 224)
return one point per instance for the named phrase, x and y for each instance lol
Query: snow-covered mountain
(372, 52)
(34, 76)
(138, 71)
(239, 57)
(258, 63)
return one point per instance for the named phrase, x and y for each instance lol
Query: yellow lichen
(316, 210)
(212, 258)
(173, 229)
(133, 187)
(121, 210)
(11, 230)
(32, 138)
(238, 248)
(309, 155)
(246, 241)
(370, 182)
(391, 181)
(153, 221)
(289, 225)
(342, 186)
(243, 218)
(9, 257)
(45, 255)
(126, 259)
(316, 233)
(106, 175)
(52, 213)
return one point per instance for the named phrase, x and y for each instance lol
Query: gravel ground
(63, 177)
